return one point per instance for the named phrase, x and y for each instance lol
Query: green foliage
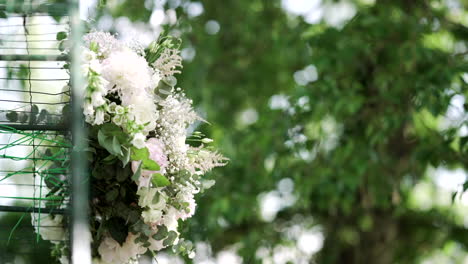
(143, 155)
(159, 180)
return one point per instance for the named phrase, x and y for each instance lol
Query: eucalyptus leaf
(161, 234)
(171, 237)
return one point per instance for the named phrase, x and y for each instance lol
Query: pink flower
(156, 153)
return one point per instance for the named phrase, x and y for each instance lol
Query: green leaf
(160, 180)
(137, 173)
(139, 154)
(12, 116)
(171, 237)
(61, 35)
(109, 159)
(125, 158)
(102, 138)
(116, 146)
(149, 164)
(123, 191)
(156, 198)
(112, 195)
(161, 234)
(143, 155)
(117, 229)
(122, 174)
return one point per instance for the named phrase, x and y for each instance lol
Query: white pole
(80, 235)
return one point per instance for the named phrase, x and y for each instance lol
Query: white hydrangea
(152, 216)
(111, 252)
(186, 195)
(50, 228)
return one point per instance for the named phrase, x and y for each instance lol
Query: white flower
(95, 66)
(152, 215)
(117, 120)
(112, 252)
(97, 99)
(119, 110)
(147, 196)
(129, 72)
(156, 245)
(139, 140)
(186, 196)
(87, 55)
(170, 219)
(49, 228)
(142, 110)
(99, 117)
(105, 42)
(88, 109)
(180, 143)
(111, 107)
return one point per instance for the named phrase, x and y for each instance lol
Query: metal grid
(35, 137)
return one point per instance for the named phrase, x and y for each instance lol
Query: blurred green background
(345, 124)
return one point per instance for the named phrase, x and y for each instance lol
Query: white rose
(139, 140)
(143, 110)
(112, 252)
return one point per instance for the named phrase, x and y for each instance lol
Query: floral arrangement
(144, 175)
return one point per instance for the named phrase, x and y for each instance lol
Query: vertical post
(80, 234)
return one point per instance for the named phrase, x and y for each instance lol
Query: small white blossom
(97, 99)
(139, 140)
(119, 110)
(99, 117)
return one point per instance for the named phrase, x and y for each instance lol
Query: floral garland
(144, 175)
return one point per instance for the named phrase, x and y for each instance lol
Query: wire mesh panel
(35, 140)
